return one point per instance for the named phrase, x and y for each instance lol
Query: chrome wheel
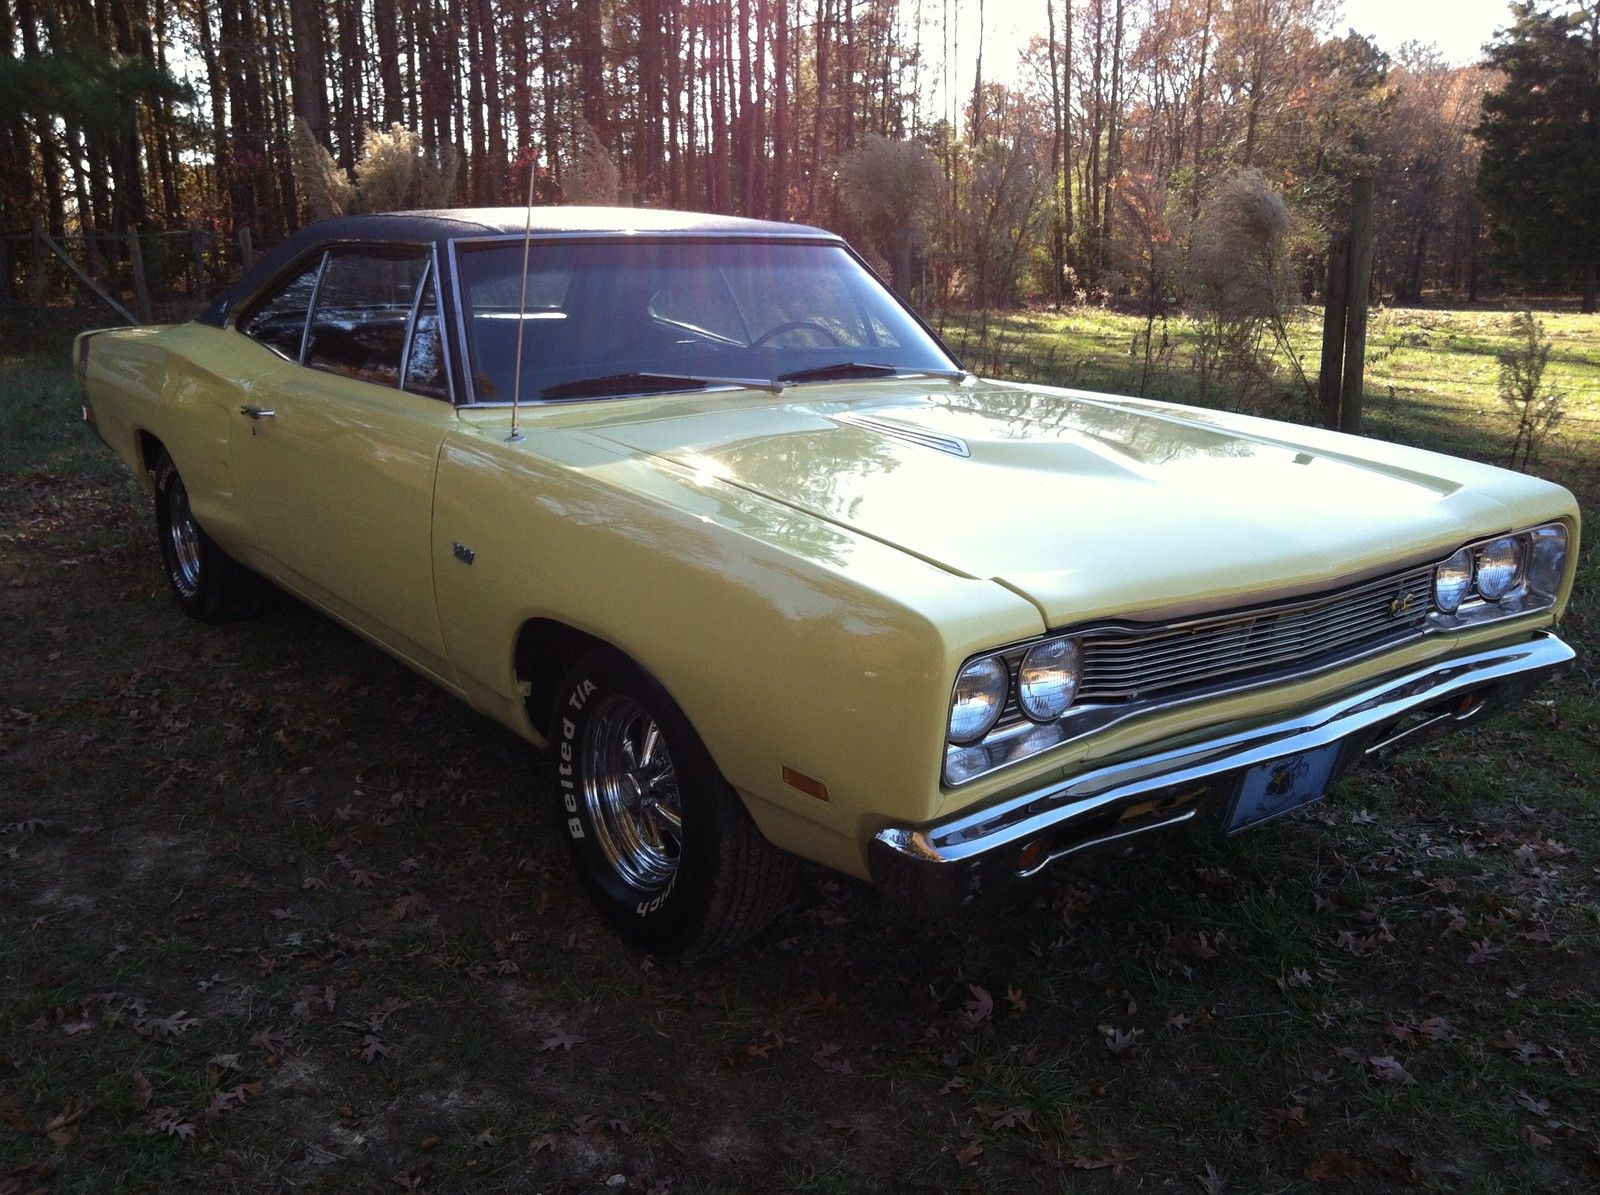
(631, 793)
(183, 534)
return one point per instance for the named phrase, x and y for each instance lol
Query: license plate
(1274, 788)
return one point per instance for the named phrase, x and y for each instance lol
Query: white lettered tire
(661, 842)
(210, 585)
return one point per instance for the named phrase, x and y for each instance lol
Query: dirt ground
(275, 913)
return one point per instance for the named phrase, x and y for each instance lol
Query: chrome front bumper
(931, 867)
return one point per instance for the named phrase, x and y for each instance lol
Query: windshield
(757, 309)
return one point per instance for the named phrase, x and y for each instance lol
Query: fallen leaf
(411, 904)
(560, 1039)
(1435, 1029)
(1401, 1033)
(980, 1008)
(1120, 1041)
(1387, 1068)
(1012, 1118)
(269, 1041)
(165, 1028)
(1112, 1161)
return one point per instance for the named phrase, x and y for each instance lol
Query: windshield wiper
(645, 383)
(865, 369)
(840, 369)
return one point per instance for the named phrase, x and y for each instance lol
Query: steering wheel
(794, 325)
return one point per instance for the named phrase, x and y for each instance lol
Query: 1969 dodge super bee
(700, 505)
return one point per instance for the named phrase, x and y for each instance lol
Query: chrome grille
(1137, 663)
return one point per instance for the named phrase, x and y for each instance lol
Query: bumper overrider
(934, 867)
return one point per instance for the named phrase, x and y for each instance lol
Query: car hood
(1089, 506)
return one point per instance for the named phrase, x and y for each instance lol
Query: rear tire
(661, 842)
(210, 585)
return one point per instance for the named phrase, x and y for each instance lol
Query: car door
(340, 467)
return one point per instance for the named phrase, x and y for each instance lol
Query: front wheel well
(150, 450)
(545, 650)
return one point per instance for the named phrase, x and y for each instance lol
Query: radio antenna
(522, 310)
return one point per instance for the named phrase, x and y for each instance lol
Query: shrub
(1536, 407)
(1241, 289)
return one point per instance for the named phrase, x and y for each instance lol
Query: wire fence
(172, 275)
(138, 277)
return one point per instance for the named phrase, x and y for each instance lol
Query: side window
(278, 319)
(425, 360)
(364, 300)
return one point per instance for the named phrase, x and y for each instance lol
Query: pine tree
(1540, 172)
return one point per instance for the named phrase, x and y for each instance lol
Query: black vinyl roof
(451, 223)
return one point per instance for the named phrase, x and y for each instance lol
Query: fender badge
(464, 554)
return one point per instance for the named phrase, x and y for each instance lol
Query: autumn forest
(970, 172)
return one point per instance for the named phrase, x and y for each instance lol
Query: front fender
(787, 641)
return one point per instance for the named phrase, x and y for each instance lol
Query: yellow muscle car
(699, 505)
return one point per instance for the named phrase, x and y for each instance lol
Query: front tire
(209, 584)
(660, 840)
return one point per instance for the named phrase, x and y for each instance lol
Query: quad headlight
(1042, 684)
(1503, 577)
(979, 697)
(1452, 581)
(1048, 679)
(1014, 702)
(1010, 704)
(1498, 565)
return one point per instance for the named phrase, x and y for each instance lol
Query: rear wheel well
(150, 450)
(545, 650)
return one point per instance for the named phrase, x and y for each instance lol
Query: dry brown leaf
(1388, 1068)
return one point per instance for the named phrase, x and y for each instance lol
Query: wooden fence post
(197, 254)
(141, 285)
(1358, 298)
(1336, 299)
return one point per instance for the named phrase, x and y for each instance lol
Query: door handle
(257, 412)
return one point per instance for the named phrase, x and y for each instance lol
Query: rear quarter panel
(182, 385)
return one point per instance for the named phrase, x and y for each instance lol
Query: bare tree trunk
(306, 64)
(591, 66)
(820, 100)
(547, 81)
(676, 181)
(778, 207)
(977, 85)
(387, 28)
(1057, 240)
(1113, 131)
(1200, 108)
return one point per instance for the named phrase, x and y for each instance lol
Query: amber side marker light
(1031, 855)
(809, 785)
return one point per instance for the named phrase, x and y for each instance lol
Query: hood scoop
(954, 445)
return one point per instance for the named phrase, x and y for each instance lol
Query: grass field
(275, 912)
